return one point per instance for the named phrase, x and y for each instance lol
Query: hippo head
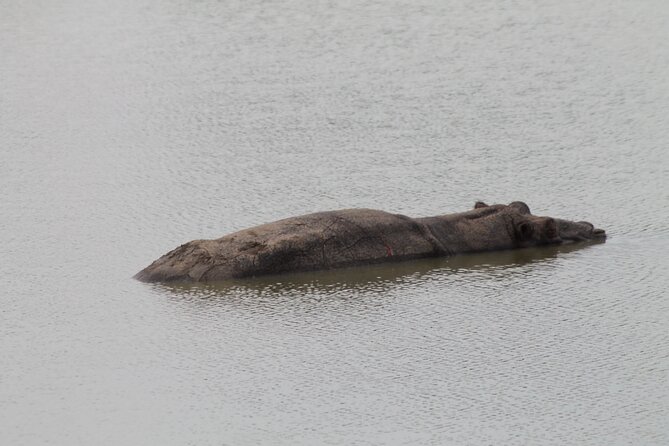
(532, 230)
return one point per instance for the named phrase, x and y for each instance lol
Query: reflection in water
(381, 276)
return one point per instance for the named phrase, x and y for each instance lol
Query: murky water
(129, 127)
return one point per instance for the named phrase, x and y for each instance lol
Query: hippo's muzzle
(571, 231)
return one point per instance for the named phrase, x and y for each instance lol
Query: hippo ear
(480, 204)
(520, 207)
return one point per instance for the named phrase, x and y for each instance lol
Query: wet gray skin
(535, 230)
(578, 231)
(350, 237)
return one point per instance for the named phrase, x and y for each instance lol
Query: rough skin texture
(349, 237)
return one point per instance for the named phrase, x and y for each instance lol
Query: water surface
(128, 128)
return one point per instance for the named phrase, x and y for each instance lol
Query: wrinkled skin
(349, 237)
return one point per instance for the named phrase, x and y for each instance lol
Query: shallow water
(129, 128)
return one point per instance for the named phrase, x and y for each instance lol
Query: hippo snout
(594, 232)
(599, 233)
(579, 230)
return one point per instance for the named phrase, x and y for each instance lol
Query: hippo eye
(551, 228)
(525, 231)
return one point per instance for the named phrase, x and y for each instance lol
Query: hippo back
(321, 240)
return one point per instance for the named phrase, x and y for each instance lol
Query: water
(129, 127)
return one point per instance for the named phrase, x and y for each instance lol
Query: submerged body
(350, 237)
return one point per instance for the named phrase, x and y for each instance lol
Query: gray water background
(130, 127)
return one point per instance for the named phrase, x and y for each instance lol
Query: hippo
(350, 237)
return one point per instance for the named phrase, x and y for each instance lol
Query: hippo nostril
(598, 232)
